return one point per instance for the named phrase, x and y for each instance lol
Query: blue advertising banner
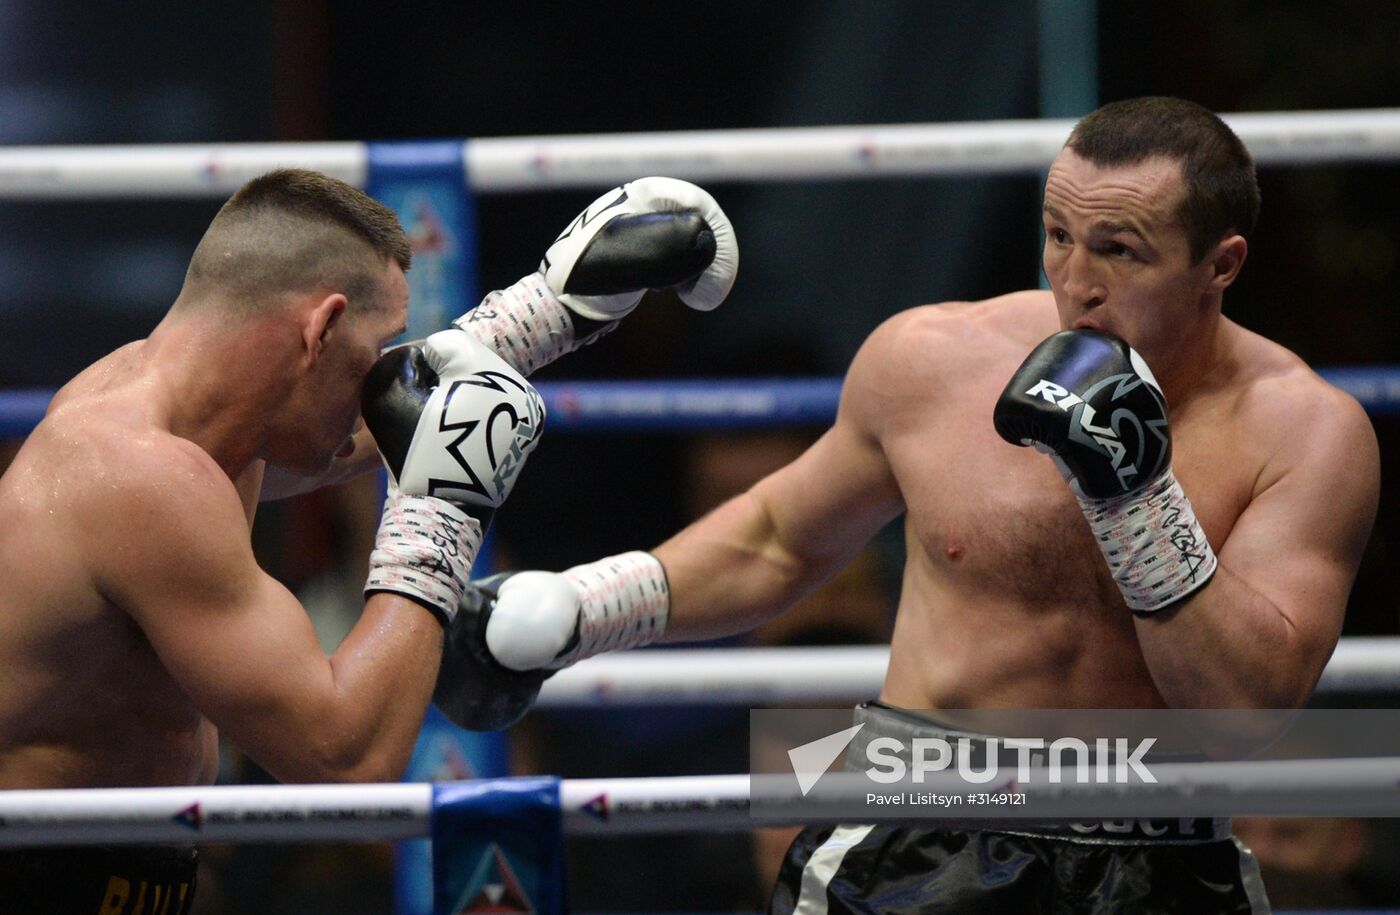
(425, 184)
(498, 847)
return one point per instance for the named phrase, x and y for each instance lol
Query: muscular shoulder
(157, 469)
(141, 497)
(1302, 418)
(919, 350)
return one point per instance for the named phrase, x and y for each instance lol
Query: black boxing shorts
(1190, 865)
(116, 880)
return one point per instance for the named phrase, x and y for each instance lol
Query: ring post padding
(443, 752)
(498, 845)
(425, 183)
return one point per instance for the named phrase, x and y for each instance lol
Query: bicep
(236, 641)
(841, 491)
(830, 501)
(815, 512)
(1299, 541)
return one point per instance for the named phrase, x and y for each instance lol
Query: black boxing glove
(1090, 401)
(473, 689)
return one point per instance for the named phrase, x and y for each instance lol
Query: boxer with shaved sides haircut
(136, 625)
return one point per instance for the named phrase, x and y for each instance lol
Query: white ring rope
(836, 676)
(659, 806)
(233, 813)
(496, 164)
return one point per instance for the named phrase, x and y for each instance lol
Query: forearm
(383, 675)
(721, 576)
(1226, 646)
(729, 572)
(381, 682)
(350, 717)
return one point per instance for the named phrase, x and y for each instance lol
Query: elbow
(1291, 675)
(1267, 690)
(366, 771)
(350, 762)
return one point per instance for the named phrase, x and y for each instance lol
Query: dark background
(823, 263)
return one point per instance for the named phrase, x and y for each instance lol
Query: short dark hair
(1222, 191)
(294, 230)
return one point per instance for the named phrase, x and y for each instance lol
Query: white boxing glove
(549, 620)
(454, 424)
(652, 233)
(452, 419)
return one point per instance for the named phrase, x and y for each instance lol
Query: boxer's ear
(1225, 261)
(322, 317)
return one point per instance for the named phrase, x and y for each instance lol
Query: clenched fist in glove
(652, 233)
(1089, 401)
(516, 629)
(454, 424)
(473, 689)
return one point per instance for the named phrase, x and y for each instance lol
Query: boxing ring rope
(680, 406)
(783, 154)
(1338, 787)
(844, 675)
(664, 806)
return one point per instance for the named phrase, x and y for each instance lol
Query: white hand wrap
(624, 603)
(525, 324)
(424, 550)
(1154, 546)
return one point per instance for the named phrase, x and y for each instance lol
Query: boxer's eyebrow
(1113, 228)
(1105, 225)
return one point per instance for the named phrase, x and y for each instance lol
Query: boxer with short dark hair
(1019, 590)
(136, 624)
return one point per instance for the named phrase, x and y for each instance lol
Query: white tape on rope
(783, 154)
(692, 803)
(235, 813)
(836, 676)
(659, 806)
(183, 171)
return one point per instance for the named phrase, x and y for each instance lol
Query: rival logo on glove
(584, 219)
(1109, 439)
(491, 449)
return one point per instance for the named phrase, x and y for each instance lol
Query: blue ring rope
(667, 406)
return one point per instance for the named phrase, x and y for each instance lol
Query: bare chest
(992, 517)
